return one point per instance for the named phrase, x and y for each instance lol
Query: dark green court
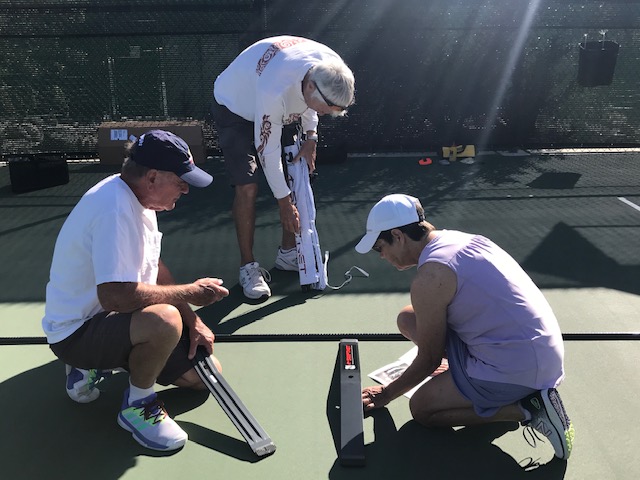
(569, 219)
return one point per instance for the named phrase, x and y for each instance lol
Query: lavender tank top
(508, 326)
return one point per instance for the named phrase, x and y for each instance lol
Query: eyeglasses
(326, 100)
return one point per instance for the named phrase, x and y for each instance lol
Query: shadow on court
(199, 236)
(413, 451)
(43, 431)
(285, 283)
(566, 258)
(416, 452)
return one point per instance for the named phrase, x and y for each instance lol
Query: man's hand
(207, 291)
(200, 334)
(308, 152)
(289, 216)
(374, 397)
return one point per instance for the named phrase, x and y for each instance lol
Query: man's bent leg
(92, 352)
(155, 331)
(179, 369)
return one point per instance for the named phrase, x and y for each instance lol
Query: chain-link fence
(428, 72)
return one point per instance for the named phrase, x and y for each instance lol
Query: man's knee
(247, 191)
(161, 321)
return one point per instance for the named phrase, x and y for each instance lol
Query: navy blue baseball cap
(168, 152)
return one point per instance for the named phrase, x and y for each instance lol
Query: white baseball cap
(393, 211)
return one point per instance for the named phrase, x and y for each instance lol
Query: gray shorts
(487, 397)
(104, 342)
(236, 140)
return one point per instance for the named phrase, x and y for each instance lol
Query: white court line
(631, 204)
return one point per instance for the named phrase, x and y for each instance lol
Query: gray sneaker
(253, 279)
(549, 418)
(287, 260)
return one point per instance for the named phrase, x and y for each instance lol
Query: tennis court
(571, 219)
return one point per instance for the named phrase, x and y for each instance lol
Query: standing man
(112, 303)
(274, 82)
(473, 304)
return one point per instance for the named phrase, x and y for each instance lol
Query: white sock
(287, 250)
(136, 393)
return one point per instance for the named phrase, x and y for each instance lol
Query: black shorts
(236, 140)
(235, 137)
(104, 342)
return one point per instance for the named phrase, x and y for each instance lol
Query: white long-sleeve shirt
(264, 85)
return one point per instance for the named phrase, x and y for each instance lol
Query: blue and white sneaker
(150, 424)
(81, 384)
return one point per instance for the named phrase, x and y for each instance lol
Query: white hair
(335, 79)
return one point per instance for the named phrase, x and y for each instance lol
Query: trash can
(597, 62)
(37, 171)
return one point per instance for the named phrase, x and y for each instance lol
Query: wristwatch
(313, 136)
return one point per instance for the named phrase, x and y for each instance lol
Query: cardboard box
(112, 137)
(458, 151)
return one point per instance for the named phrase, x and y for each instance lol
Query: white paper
(388, 373)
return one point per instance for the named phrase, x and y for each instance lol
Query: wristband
(313, 137)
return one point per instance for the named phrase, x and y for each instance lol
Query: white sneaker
(150, 424)
(287, 260)
(252, 279)
(81, 384)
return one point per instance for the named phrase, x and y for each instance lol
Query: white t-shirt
(108, 237)
(264, 85)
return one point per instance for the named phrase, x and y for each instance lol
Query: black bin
(37, 171)
(597, 63)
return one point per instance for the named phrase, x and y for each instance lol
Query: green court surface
(569, 220)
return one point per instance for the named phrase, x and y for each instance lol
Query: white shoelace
(253, 272)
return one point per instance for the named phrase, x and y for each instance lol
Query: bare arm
(431, 292)
(199, 333)
(189, 317)
(132, 296)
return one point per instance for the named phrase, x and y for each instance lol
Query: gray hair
(336, 81)
(131, 169)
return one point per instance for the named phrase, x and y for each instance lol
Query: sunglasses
(326, 100)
